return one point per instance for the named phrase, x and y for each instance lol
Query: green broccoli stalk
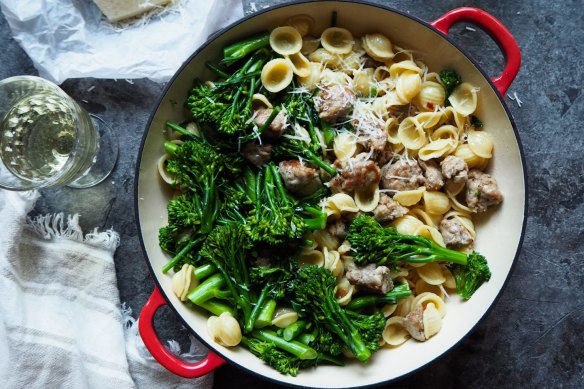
(226, 247)
(314, 290)
(361, 302)
(296, 148)
(198, 168)
(450, 79)
(372, 243)
(283, 362)
(226, 105)
(275, 219)
(236, 51)
(370, 327)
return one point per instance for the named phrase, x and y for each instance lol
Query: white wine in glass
(47, 140)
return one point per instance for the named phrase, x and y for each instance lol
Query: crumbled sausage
(481, 191)
(414, 323)
(388, 209)
(375, 141)
(356, 172)
(338, 229)
(276, 127)
(404, 174)
(434, 179)
(454, 168)
(455, 234)
(334, 101)
(372, 278)
(299, 177)
(382, 157)
(257, 154)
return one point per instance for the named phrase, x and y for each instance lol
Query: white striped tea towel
(61, 325)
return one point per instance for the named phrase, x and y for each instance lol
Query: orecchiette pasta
(285, 40)
(302, 23)
(337, 40)
(277, 75)
(464, 99)
(378, 47)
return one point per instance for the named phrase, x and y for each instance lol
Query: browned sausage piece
(334, 101)
(356, 172)
(454, 168)
(372, 278)
(414, 324)
(455, 234)
(299, 178)
(403, 174)
(434, 179)
(481, 191)
(256, 154)
(276, 127)
(388, 209)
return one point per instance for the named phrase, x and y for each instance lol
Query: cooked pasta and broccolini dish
(325, 193)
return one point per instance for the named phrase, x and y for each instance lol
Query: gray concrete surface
(534, 335)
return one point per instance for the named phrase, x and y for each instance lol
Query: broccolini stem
(179, 129)
(216, 70)
(258, 307)
(170, 264)
(399, 292)
(279, 183)
(171, 148)
(208, 289)
(238, 50)
(217, 307)
(328, 132)
(317, 223)
(306, 338)
(204, 271)
(432, 254)
(320, 163)
(294, 329)
(295, 348)
(269, 184)
(266, 314)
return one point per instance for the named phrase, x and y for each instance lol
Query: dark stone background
(534, 336)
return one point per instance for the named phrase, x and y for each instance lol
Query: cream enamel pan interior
(499, 232)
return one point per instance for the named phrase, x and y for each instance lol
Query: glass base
(106, 157)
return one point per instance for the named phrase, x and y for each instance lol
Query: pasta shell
(391, 127)
(285, 40)
(161, 165)
(378, 47)
(408, 198)
(313, 78)
(408, 86)
(423, 287)
(309, 257)
(436, 203)
(446, 132)
(367, 199)
(325, 239)
(326, 58)
(449, 281)
(431, 96)
(258, 100)
(329, 77)
(388, 309)
(436, 149)
(481, 143)
(473, 161)
(464, 99)
(407, 225)
(284, 316)
(394, 333)
(342, 202)
(426, 298)
(337, 40)
(431, 273)
(404, 306)
(300, 64)
(362, 82)
(432, 321)
(345, 145)
(302, 23)
(309, 44)
(411, 134)
(276, 75)
(428, 119)
(404, 66)
(344, 292)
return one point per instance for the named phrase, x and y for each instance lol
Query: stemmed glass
(47, 140)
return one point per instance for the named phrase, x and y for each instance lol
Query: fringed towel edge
(56, 226)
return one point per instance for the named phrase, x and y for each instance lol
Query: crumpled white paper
(71, 38)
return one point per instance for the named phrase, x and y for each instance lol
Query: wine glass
(47, 140)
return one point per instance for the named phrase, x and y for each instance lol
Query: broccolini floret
(450, 79)
(314, 290)
(372, 243)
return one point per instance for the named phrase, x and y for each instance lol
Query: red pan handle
(496, 30)
(161, 353)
